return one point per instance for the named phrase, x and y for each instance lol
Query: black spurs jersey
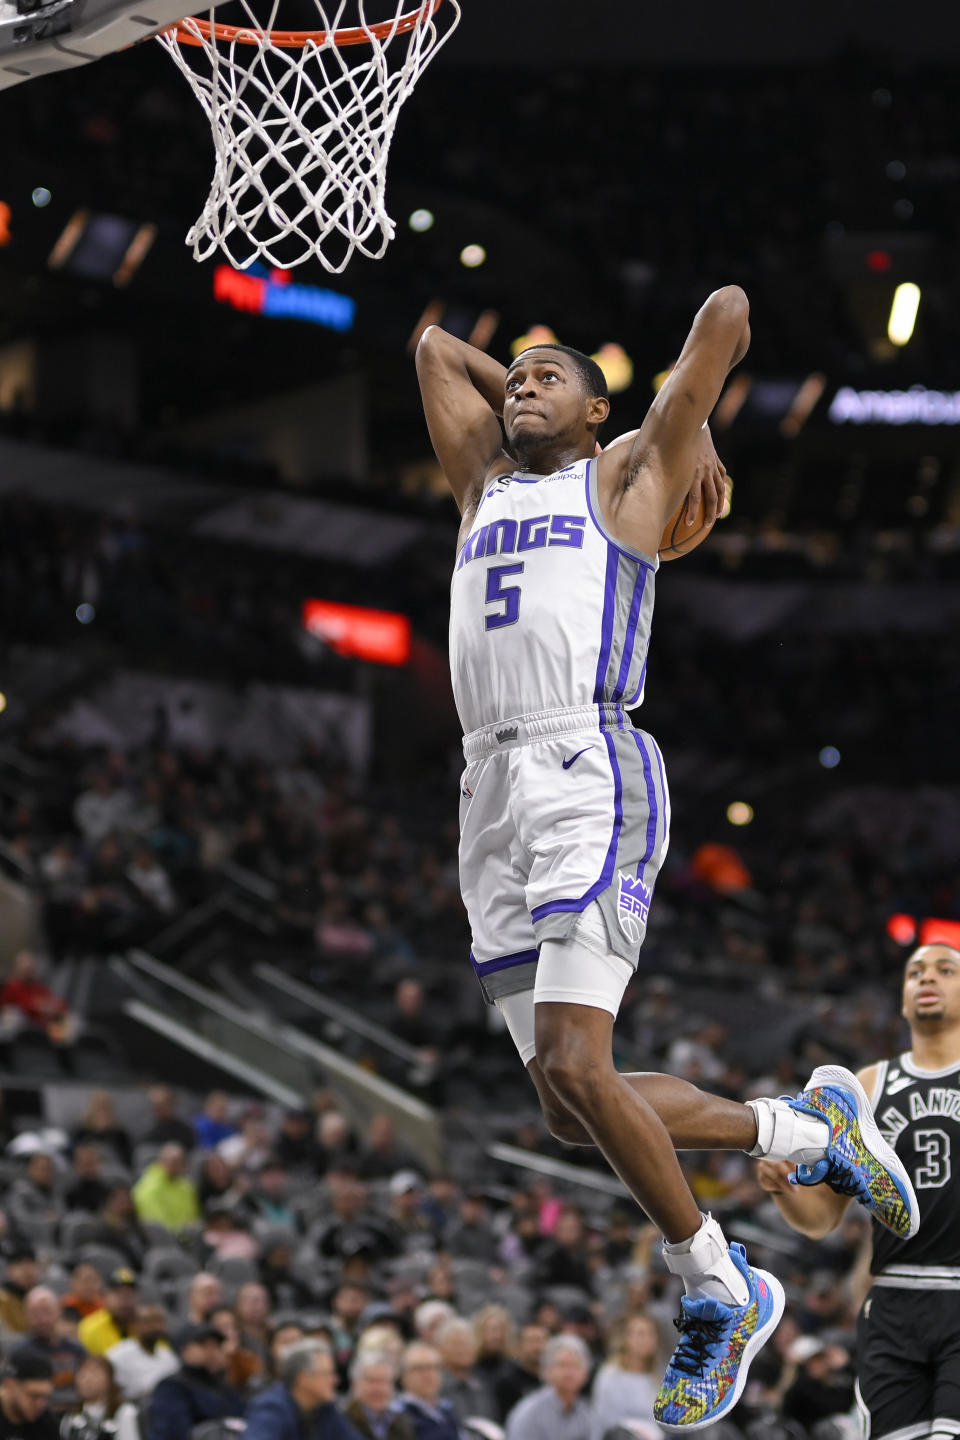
(918, 1113)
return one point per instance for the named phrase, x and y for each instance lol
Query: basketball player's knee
(574, 1073)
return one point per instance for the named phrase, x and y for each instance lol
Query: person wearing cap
(111, 1323)
(197, 1391)
(20, 1275)
(406, 1213)
(301, 1405)
(822, 1382)
(25, 1391)
(146, 1357)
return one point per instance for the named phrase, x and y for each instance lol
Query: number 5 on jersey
(506, 595)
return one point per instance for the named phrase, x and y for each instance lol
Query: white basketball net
(302, 135)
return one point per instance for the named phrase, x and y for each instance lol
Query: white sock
(704, 1265)
(787, 1134)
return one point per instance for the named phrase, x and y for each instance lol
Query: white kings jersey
(547, 611)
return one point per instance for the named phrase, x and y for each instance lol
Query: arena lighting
(85, 613)
(739, 812)
(381, 636)
(3, 702)
(5, 218)
(879, 261)
(903, 313)
(484, 329)
(41, 197)
(829, 757)
(803, 404)
(472, 255)
(273, 295)
(536, 335)
(916, 406)
(908, 930)
(420, 220)
(616, 365)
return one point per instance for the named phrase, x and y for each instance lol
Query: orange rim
(296, 39)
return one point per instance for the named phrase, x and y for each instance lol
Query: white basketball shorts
(558, 809)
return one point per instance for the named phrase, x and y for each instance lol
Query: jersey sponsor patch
(633, 906)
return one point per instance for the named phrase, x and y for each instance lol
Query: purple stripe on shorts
(554, 907)
(651, 802)
(503, 962)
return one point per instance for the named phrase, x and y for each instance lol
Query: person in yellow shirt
(165, 1193)
(111, 1323)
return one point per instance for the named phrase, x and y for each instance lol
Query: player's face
(931, 986)
(543, 400)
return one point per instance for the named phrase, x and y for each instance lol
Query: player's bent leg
(517, 1012)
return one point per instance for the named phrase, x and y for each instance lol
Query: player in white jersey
(564, 808)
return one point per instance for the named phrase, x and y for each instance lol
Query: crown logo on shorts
(509, 734)
(633, 906)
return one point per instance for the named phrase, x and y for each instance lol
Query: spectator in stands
(25, 1392)
(150, 881)
(347, 1304)
(35, 1196)
(102, 808)
(216, 1180)
(352, 1227)
(85, 1294)
(287, 1289)
(249, 1146)
(252, 1311)
(556, 1409)
(562, 1258)
(470, 1236)
(204, 1296)
(372, 1406)
(167, 1126)
(213, 1124)
(119, 1227)
(407, 1216)
(43, 1337)
(87, 1189)
(30, 999)
(625, 1385)
(226, 1233)
(521, 1376)
(100, 1401)
(295, 1145)
(195, 1392)
(430, 1317)
(302, 1401)
(285, 1330)
(494, 1328)
(113, 1321)
(421, 1375)
(269, 1197)
(245, 1367)
(101, 1127)
(146, 1357)
(382, 1154)
(165, 1193)
(20, 1275)
(338, 1147)
(819, 1381)
(462, 1386)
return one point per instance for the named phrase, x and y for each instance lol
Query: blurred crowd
(223, 1260)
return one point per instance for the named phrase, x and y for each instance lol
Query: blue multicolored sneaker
(708, 1369)
(858, 1162)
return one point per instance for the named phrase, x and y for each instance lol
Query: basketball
(678, 537)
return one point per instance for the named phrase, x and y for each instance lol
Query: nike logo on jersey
(568, 763)
(897, 1082)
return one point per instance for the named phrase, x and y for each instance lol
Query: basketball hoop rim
(297, 39)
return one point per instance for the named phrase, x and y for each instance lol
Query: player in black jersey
(908, 1334)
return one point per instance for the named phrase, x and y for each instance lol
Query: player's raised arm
(669, 439)
(462, 393)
